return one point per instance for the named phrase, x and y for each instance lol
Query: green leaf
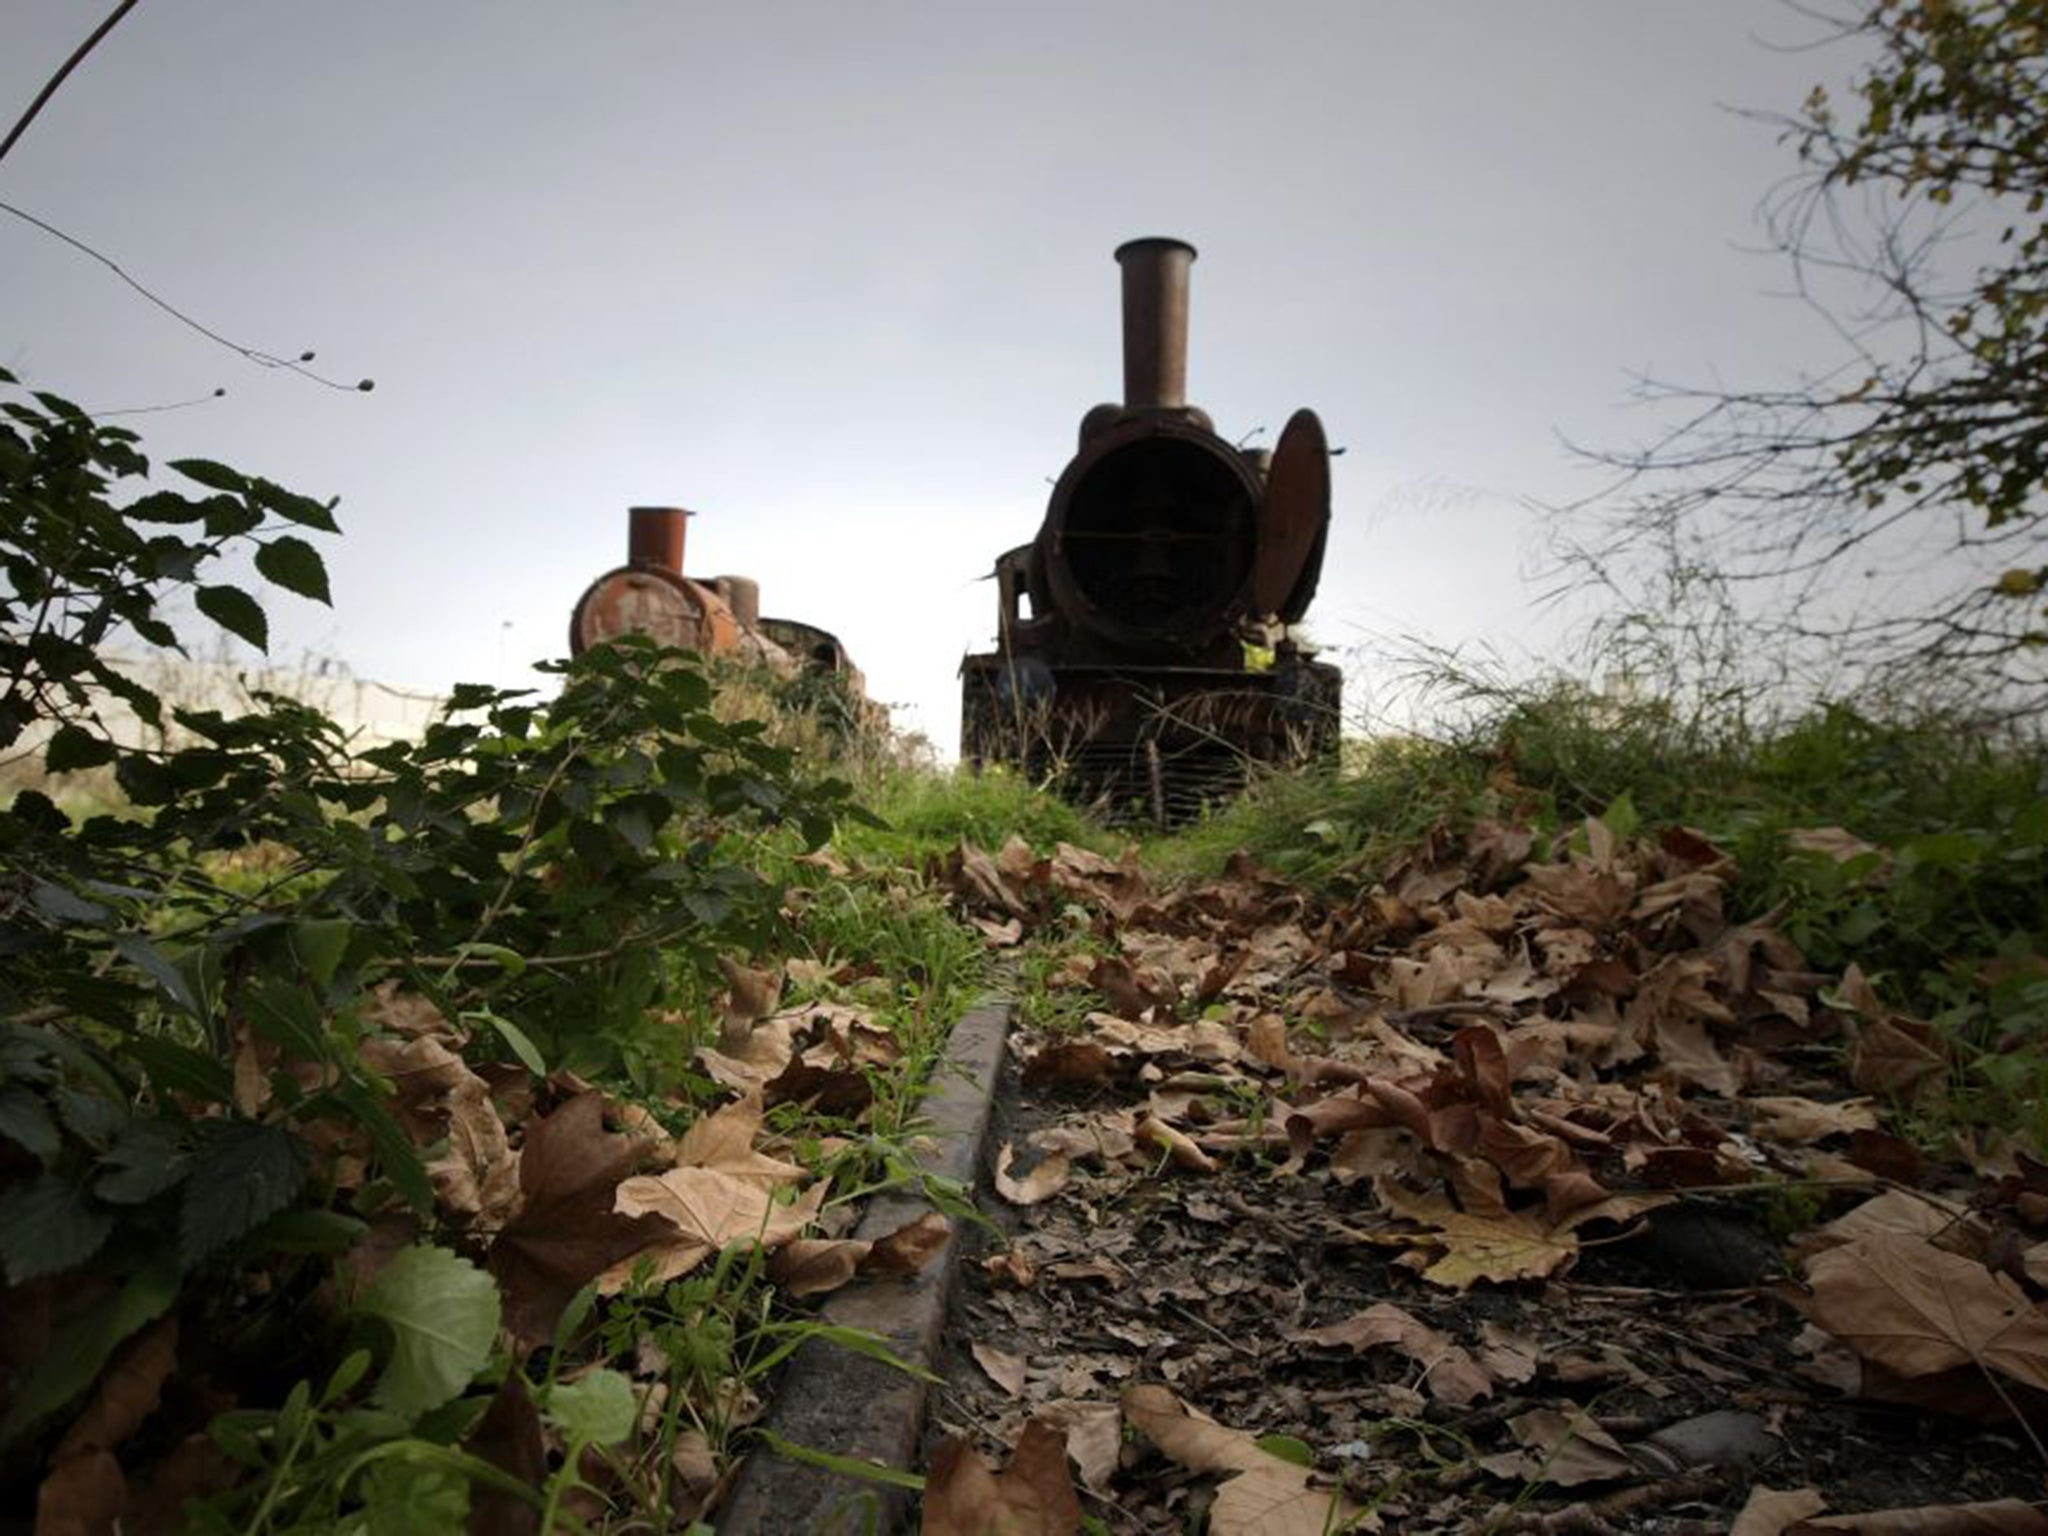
(598, 1408)
(443, 1315)
(150, 960)
(303, 510)
(281, 1009)
(1941, 850)
(63, 906)
(72, 747)
(510, 961)
(395, 1155)
(404, 1497)
(163, 507)
(215, 477)
(141, 1165)
(242, 1174)
(49, 1225)
(1622, 818)
(290, 562)
(25, 1120)
(76, 1353)
(846, 1466)
(312, 1232)
(318, 943)
(236, 612)
(514, 1037)
(178, 1068)
(1288, 1449)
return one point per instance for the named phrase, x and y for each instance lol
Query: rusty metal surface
(1150, 538)
(647, 600)
(1296, 523)
(1155, 307)
(656, 536)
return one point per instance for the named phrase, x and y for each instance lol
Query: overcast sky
(838, 277)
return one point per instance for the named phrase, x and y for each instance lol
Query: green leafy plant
(192, 977)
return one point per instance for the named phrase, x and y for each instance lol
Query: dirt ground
(1210, 1285)
(1528, 1191)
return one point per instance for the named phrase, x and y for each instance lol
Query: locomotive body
(1143, 660)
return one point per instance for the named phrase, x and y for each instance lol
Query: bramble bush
(185, 982)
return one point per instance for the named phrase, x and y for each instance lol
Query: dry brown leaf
(510, 1438)
(1004, 1369)
(810, 1266)
(1887, 1059)
(2000, 1517)
(85, 1496)
(1155, 1132)
(126, 1395)
(1046, 1178)
(1010, 1267)
(1070, 1061)
(1451, 1375)
(999, 935)
(1802, 1121)
(1033, 1496)
(566, 1232)
(1564, 1449)
(910, 1247)
(764, 1055)
(1767, 1511)
(1516, 1245)
(725, 1139)
(1898, 1212)
(1264, 1496)
(751, 995)
(1918, 1310)
(704, 1210)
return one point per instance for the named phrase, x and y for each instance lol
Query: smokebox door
(1296, 521)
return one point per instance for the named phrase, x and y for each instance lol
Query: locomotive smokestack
(1155, 322)
(654, 536)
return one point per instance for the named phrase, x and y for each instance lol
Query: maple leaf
(566, 1233)
(1468, 1247)
(725, 1139)
(703, 1210)
(1918, 1310)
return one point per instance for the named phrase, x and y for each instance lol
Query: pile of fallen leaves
(1459, 1205)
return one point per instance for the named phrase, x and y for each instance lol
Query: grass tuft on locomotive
(1146, 661)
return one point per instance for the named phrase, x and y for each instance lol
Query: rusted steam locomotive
(718, 615)
(1143, 660)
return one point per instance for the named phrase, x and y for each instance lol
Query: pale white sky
(838, 276)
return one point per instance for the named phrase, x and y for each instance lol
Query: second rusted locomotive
(713, 616)
(1144, 660)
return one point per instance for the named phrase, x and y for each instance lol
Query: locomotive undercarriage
(1150, 745)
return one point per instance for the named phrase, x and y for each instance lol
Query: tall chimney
(654, 536)
(1155, 322)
